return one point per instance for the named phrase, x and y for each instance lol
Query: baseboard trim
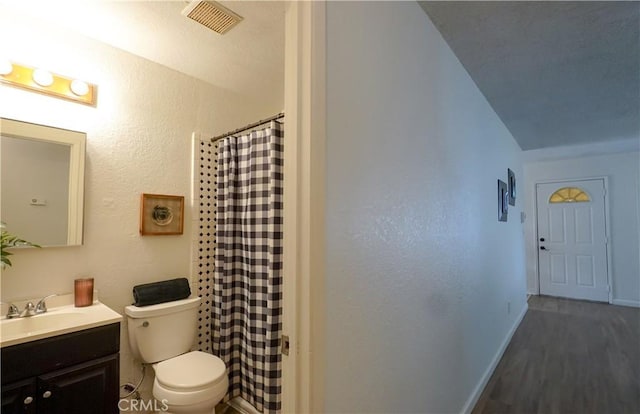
(624, 302)
(475, 395)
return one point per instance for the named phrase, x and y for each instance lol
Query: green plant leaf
(8, 241)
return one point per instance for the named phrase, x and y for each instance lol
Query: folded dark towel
(160, 292)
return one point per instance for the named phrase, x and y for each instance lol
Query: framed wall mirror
(42, 182)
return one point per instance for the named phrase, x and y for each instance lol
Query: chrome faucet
(30, 309)
(41, 307)
(13, 311)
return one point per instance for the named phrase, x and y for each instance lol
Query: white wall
(623, 171)
(418, 269)
(138, 140)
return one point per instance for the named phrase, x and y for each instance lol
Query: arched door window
(569, 195)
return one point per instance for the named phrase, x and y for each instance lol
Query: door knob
(543, 248)
(46, 394)
(541, 238)
(28, 400)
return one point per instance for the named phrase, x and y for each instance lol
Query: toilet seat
(190, 372)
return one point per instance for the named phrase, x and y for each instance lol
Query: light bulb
(6, 67)
(79, 87)
(42, 77)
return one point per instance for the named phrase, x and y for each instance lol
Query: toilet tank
(162, 331)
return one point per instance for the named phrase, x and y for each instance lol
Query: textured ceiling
(557, 73)
(249, 59)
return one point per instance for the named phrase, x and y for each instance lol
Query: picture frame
(503, 201)
(161, 215)
(511, 181)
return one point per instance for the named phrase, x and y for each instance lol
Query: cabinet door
(85, 388)
(19, 397)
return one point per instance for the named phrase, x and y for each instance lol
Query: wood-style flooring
(568, 356)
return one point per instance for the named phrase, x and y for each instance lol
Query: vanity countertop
(58, 320)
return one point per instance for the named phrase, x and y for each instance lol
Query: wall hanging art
(503, 200)
(161, 214)
(511, 180)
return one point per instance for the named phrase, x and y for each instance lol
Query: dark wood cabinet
(66, 374)
(19, 397)
(90, 387)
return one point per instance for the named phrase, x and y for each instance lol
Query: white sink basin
(55, 321)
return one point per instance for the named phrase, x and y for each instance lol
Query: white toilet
(161, 335)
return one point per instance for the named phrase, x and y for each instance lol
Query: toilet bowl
(189, 383)
(185, 382)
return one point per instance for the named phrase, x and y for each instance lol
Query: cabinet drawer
(38, 357)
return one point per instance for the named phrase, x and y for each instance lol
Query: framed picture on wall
(161, 214)
(503, 201)
(511, 180)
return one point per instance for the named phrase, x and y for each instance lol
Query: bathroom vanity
(65, 362)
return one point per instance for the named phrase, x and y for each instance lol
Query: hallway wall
(423, 284)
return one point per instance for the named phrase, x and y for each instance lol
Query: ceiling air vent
(212, 15)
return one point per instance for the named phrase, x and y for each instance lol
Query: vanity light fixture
(79, 88)
(42, 77)
(42, 81)
(5, 67)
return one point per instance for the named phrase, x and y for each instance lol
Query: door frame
(607, 227)
(304, 196)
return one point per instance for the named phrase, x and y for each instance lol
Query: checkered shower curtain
(247, 299)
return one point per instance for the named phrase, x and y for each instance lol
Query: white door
(572, 250)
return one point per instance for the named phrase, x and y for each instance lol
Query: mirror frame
(77, 144)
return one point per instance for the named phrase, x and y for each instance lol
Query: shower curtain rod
(255, 124)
